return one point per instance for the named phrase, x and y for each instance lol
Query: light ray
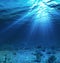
(41, 11)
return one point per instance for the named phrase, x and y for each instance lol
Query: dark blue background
(24, 33)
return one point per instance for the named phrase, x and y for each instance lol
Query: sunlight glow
(39, 10)
(46, 0)
(42, 14)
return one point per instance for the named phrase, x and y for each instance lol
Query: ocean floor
(30, 56)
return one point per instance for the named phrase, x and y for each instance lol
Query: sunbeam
(38, 14)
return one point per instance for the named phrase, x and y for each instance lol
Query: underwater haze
(29, 23)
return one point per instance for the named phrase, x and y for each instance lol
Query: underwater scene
(29, 31)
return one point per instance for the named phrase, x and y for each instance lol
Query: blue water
(29, 23)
